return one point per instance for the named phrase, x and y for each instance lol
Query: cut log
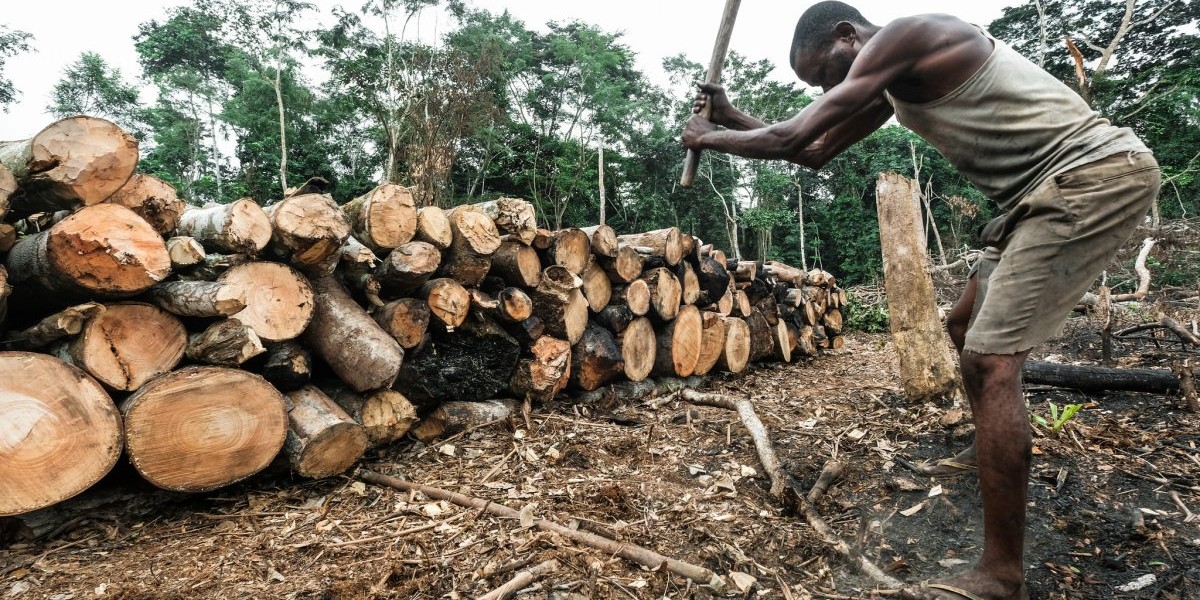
(288, 366)
(8, 185)
(596, 286)
(679, 344)
(473, 231)
(667, 243)
(101, 251)
(559, 304)
(762, 336)
(615, 317)
(308, 230)
(571, 249)
(689, 283)
(712, 342)
(383, 218)
(473, 363)
(746, 271)
(518, 264)
(201, 428)
(543, 239)
(449, 303)
(835, 342)
(406, 320)
(226, 343)
(513, 216)
(407, 268)
(8, 237)
(279, 301)
(457, 416)
(362, 354)
(724, 304)
(785, 273)
(784, 342)
(805, 340)
(240, 227)
(199, 298)
(1088, 378)
(185, 252)
(926, 367)
(51, 329)
(74, 161)
(545, 372)
(639, 349)
(127, 345)
(322, 440)
(596, 359)
(719, 256)
(665, 292)
(625, 267)
(603, 240)
(736, 354)
(385, 415)
(152, 199)
(464, 266)
(511, 305)
(713, 280)
(433, 227)
(833, 321)
(60, 433)
(635, 296)
(741, 304)
(527, 332)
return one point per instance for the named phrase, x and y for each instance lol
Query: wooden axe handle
(720, 48)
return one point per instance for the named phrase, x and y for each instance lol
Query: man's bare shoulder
(931, 30)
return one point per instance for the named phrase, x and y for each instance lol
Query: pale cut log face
(59, 434)
(279, 301)
(201, 428)
(391, 218)
(332, 451)
(639, 346)
(685, 343)
(130, 343)
(89, 158)
(249, 227)
(110, 250)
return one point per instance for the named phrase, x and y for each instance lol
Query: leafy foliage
(90, 87)
(12, 43)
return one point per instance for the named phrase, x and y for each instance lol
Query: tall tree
(12, 43)
(90, 86)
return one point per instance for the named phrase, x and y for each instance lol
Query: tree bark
(383, 218)
(518, 264)
(127, 345)
(667, 243)
(513, 217)
(735, 355)
(596, 358)
(385, 415)
(288, 366)
(603, 240)
(545, 372)
(1098, 379)
(308, 230)
(433, 227)
(457, 416)
(679, 344)
(61, 432)
(571, 249)
(279, 301)
(101, 251)
(448, 302)
(712, 342)
(362, 355)
(152, 199)
(201, 428)
(240, 227)
(53, 328)
(473, 363)
(596, 286)
(322, 440)
(199, 298)
(226, 343)
(406, 320)
(74, 161)
(406, 268)
(926, 368)
(625, 267)
(665, 292)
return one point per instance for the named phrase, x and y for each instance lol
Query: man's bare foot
(972, 585)
(962, 463)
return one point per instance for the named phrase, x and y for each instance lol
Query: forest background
(492, 107)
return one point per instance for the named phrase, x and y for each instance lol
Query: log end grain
(129, 344)
(109, 251)
(279, 300)
(639, 349)
(82, 158)
(153, 199)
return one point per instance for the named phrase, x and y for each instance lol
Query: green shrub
(866, 316)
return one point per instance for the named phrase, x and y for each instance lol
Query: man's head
(828, 37)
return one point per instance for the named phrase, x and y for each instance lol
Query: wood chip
(908, 512)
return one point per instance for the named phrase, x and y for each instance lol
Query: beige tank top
(1012, 125)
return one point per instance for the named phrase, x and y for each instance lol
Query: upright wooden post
(926, 366)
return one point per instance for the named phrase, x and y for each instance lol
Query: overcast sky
(654, 29)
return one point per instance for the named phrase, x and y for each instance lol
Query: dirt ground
(684, 481)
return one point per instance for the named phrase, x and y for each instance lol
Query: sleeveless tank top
(1011, 125)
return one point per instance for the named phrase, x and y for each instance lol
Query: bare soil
(681, 480)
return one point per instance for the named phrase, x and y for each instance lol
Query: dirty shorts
(1049, 248)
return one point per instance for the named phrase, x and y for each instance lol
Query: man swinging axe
(1072, 188)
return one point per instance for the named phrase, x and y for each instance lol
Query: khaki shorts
(1048, 250)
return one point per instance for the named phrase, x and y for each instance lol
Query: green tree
(12, 43)
(90, 86)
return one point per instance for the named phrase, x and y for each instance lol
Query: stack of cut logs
(230, 334)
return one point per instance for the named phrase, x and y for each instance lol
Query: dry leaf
(273, 575)
(358, 488)
(748, 471)
(950, 563)
(914, 510)
(857, 434)
(935, 491)
(527, 518)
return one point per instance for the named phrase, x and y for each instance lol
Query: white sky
(653, 29)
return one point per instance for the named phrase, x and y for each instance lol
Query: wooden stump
(201, 428)
(308, 230)
(322, 440)
(518, 264)
(73, 161)
(152, 199)
(736, 353)
(362, 354)
(545, 372)
(59, 435)
(406, 320)
(712, 342)
(433, 227)
(667, 243)
(639, 348)
(127, 345)
(101, 251)
(199, 298)
(385, 415)
(473, 363)
(240, 227)
(679, 344)
(596, 359)
(407, 268)
(665, 292)
(383, 218)
(279, 301)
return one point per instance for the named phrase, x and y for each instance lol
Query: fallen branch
(1089, 300)
(784, 489)
(642, 556)
(1096, 379)
(1166, 323)
(521, 580)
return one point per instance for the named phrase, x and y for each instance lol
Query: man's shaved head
(814, 30)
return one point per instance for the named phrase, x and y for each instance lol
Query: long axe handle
(714, 76)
